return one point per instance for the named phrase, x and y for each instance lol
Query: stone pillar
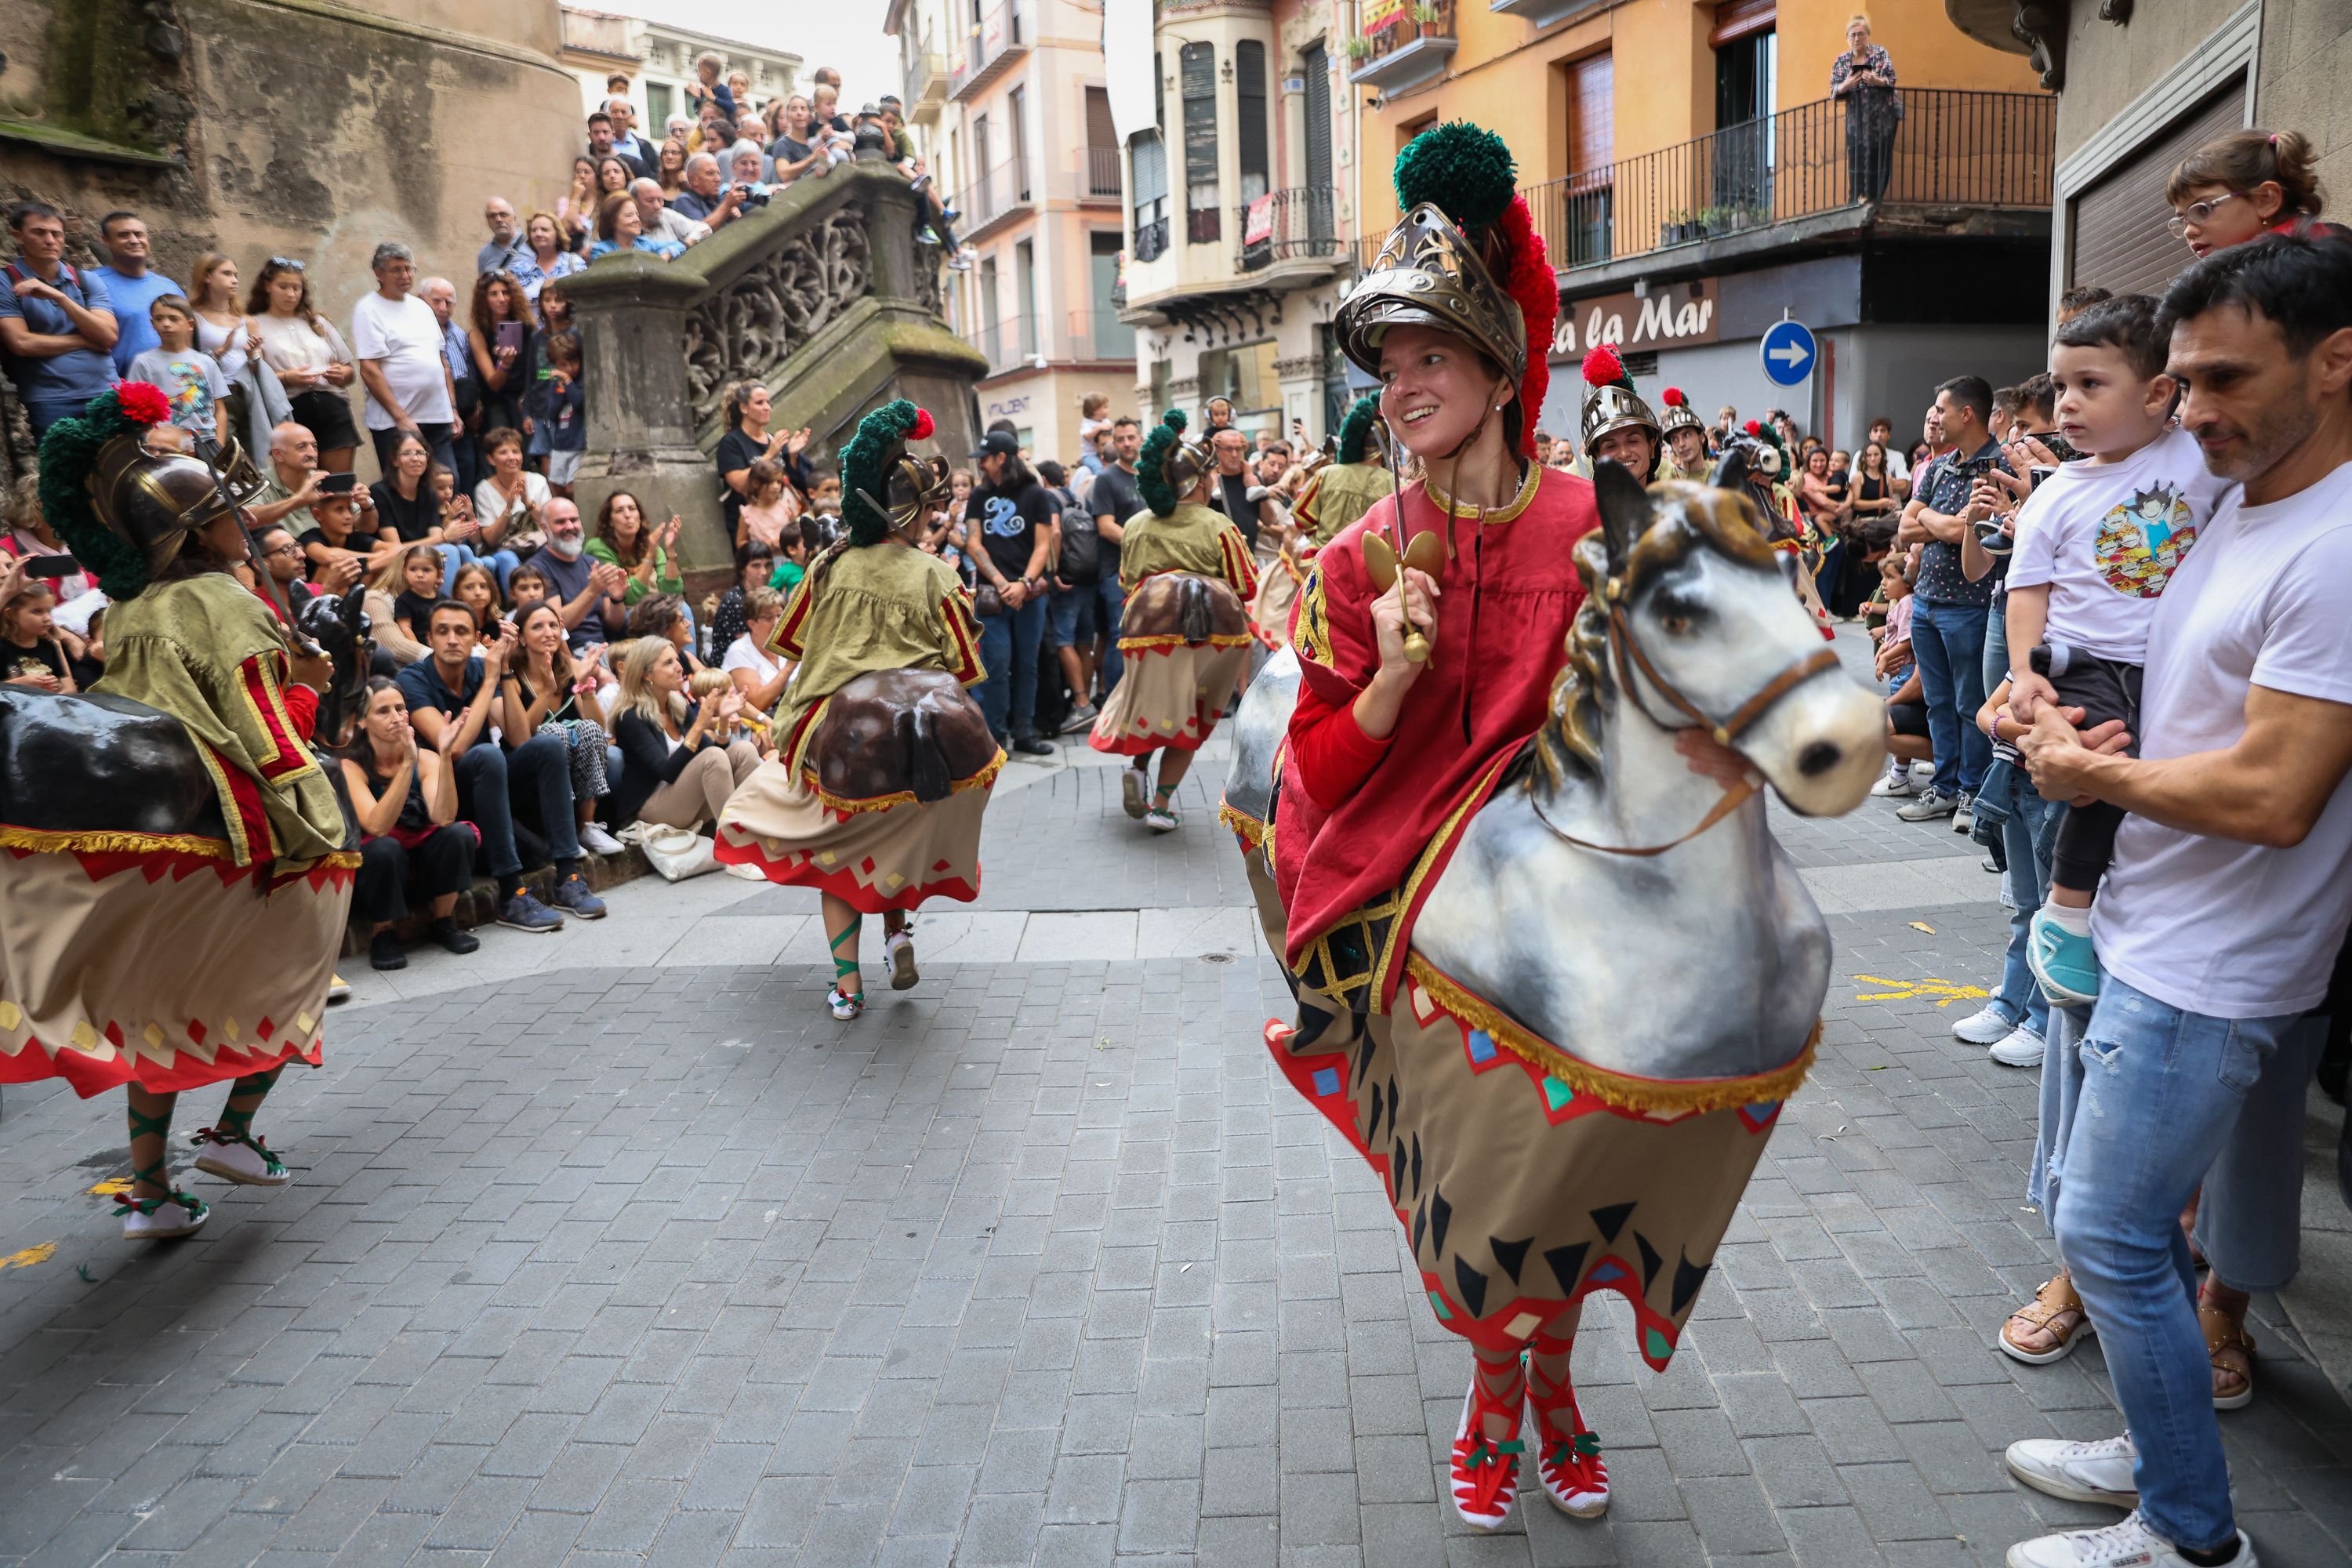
(631, 313)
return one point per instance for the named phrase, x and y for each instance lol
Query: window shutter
(2115, 234)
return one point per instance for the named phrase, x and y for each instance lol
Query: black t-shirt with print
(1007, 519)
(22, 658)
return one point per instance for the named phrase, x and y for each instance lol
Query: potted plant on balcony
(1359, 48)
(1426, 16)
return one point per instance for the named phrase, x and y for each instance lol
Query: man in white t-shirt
(1898, 462)
(2222, 912)
(396, 339)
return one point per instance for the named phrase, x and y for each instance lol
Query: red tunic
(1358, 813)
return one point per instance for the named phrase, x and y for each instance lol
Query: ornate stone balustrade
(823, 297)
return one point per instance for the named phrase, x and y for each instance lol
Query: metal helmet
(154, 500)
(1428, 275)
(1679, 414)
(1609, 401)
(1188, 462)
(911, 487)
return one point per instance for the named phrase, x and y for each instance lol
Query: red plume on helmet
(1674, 398)
(1603, 368)
(1754, 428)
(923, 426)
(1528, 281)
(143, 401)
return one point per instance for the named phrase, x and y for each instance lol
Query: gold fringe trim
(110, 843)
(1177, 639)
(1247, 827)
(848, 807)
(1633, 1093)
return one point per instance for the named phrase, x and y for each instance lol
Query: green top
(881, 606)
(208, 652)
(1338, 494)
(1194, 537)
(787, 577)
(665, 580)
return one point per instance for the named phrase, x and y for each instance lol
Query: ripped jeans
(2139, 1105)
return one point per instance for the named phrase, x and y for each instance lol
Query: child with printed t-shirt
(190, 378)
(2097, 542)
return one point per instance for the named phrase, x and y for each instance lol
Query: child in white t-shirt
(190, 378)
(2097, 542)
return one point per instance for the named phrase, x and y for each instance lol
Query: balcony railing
(1285, 226)
(1407, 53)
(1008, 188)
(1953, 148)
(1002, 34)
(1098, 175)
(1011, 343)
(927, 82)
(1095, 335)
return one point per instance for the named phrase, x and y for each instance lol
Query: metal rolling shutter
(2115, 234)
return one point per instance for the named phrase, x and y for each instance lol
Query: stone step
(478, 905)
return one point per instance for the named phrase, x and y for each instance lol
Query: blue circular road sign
(1788, 351)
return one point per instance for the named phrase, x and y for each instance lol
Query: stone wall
(304, 128)
(824, 296)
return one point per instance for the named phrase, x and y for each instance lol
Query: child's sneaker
(2064, 961)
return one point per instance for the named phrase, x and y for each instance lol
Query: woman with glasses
(1864, 77)
(2241, 186)
(311, 358)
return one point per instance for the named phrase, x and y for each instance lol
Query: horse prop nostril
(1818, 758)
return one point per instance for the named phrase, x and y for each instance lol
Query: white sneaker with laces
(1935, 803)
(2020, 1047)
(1984, 1025)
(2098, 1471)
(899, 953)
(596, 841)
(1894, 783)
(2131, 1545)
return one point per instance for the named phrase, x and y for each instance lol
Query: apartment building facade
(658, 58)
(1007, 99)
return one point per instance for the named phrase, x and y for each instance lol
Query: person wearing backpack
(1070, 607)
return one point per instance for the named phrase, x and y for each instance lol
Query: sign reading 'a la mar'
(1683, 316)
(1788, 351)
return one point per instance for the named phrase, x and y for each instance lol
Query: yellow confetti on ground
(113, 1186)
(31, 1256)
(1922, 925)
(1945, 991)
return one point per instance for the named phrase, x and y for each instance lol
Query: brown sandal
(2051, 1304)
(2233, 1352)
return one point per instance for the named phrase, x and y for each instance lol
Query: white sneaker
(2099, 1471)
(177, 1215)
(743, 871)
(1161, 819)
(1984, 1025)
(1897, 782)
(234, 1157)
(899, 953)
(1134, 792)
(2020, 1047)
(596, 841)
(2130, 1544)
(1932, 804)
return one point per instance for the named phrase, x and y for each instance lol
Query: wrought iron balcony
(1953, 149)
(1286, 226)
(1098, 176)
(993, 43)
(1407, 53)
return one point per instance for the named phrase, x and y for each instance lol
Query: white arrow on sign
(1791, 354)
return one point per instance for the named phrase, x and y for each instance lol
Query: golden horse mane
(1685, 517)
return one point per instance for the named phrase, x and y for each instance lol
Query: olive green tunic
(876, 607)
(1194, 537)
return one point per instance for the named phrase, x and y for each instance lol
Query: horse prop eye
(1674, 626)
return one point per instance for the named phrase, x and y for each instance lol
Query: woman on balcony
(1864, 77)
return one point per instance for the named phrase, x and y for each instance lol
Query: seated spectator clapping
(676, 772)
(757, 675)
(406, 801)
(551, 693)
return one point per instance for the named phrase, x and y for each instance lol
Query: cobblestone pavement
(629, 1260)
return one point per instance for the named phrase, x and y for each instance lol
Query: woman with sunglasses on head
(309, 356)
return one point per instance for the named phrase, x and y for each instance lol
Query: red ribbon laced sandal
(1486, 1473)
(1567, 1461)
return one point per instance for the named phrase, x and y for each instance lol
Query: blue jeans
(453, 557)
(2140, 1105)
(1949, 642)
(488, 780)
(2025, 840)
(1108, 604)
(1008, 648)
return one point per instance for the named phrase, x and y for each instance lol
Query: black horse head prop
(339, 628)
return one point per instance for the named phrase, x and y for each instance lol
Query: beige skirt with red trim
(1520, 1193)
(169, 968)
(1277, 591)
(874, 856)
(1171, 694)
